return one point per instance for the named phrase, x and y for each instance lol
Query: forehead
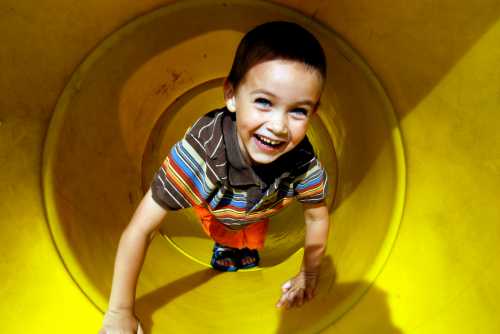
(284, 78)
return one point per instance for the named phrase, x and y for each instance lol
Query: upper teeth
(269, 141)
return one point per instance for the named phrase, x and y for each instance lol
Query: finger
(309, 294)
(282, 300)
(299, 298)
(285, 300)
(285, 287)
(295, 299)
(291, 299)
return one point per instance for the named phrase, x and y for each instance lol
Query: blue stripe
(193, 170)
(310, 181)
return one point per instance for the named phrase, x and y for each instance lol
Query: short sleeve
(312, 185)
(182, 181)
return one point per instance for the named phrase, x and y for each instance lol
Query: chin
(264, 160)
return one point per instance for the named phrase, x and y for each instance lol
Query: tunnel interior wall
(438, 61)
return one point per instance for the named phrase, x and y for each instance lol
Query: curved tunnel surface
(136, 93)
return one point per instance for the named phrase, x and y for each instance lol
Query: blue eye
(300, 111)
(263, 102)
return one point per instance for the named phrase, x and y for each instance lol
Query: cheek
(249, 122)
(298, 131)
(246, 128)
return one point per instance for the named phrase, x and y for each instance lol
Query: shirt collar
(240, 173)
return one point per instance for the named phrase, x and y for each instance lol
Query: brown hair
(276, 40)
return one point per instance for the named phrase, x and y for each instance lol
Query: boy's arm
(128, 263)
(317, 224)
(301, 287)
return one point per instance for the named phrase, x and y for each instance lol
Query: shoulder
(207, 125)
(311, 179)
(206, 132)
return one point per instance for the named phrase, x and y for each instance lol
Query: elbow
(135, 232)
(314, 213)
(318, 249)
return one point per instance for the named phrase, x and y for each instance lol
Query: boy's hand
(120, 322)
(298, 290)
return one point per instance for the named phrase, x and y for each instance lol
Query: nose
(278, 124)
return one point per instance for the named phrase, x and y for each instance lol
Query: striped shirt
(206, 168)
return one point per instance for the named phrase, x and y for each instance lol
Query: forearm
(316, 238)
(131, 252)
(301, 288)
(129, 259)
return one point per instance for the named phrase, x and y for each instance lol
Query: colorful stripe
(187, 178)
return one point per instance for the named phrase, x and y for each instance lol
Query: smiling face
(273, 105)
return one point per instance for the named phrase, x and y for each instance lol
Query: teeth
(269, 141)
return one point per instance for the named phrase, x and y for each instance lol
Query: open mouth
(268, 142)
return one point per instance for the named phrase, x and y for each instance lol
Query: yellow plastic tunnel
(94, 94)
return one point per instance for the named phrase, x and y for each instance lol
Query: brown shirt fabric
(206, 168)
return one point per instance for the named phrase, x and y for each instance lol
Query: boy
(240, 164)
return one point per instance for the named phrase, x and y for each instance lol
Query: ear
(229, 96)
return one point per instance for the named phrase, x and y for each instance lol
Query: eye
(262, 102)
(299, 111)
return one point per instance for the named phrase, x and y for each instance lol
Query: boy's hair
(276, 40)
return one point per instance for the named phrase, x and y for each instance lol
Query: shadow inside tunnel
(148, 304)
(418, 41)
(332, 301)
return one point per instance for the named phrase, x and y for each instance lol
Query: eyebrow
(263, 91)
